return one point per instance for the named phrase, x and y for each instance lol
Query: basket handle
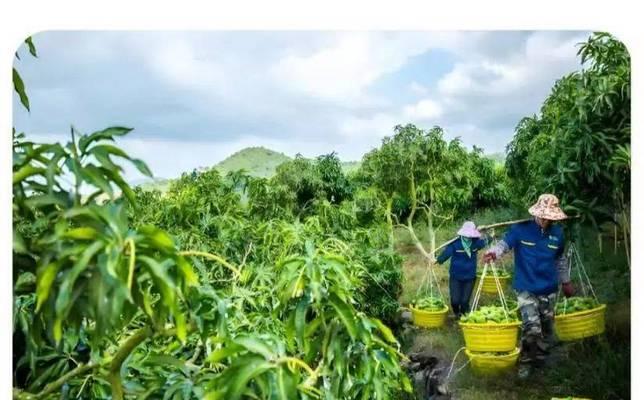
(429, 281)
(497, 283)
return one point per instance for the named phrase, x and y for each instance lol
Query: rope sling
(490, 265)
(429, 281)
(573, 258)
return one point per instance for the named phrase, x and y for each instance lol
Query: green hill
(262, 162)
(257, 161)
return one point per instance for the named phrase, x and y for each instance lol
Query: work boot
(525, 370)
(541, 354)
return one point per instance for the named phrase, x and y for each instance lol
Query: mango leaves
(360, 353)
(285, 324)
(102, 270)
(578, 146)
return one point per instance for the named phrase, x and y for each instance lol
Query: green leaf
(239, 382)
(225, 352)
(286, 387)
(25, 172)
(104, 159)
(255, 346)
(384, 329)
(125, 188)
(407, 387)
(105, 134)
(158, 270)
(180, 324)
(43, 200)
(19, 87)
(162, 360)
(142, 167)
(191, 278)
(108, 149)
(345, 314)
(165, 284)
(45, 278)
(157, 237)
(30, 45)
(66, 288)
(96, 176)
(82, 233)
(300, 319)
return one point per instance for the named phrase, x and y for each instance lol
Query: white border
(22, 18)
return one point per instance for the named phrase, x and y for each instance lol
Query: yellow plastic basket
(487, 364)
(489, 285)
(581, 324)
(428, 319)
(490, 336)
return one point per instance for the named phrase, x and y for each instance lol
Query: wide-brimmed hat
(547, 207)
(469, 230)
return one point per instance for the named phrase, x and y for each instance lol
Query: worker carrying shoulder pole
(462, 272)
(539, 266)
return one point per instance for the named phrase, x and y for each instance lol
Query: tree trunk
(390, 223)
(430, 232)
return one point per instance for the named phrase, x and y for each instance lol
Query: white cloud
(177, 63)
(342, 70)
(426, 109)
(196, 97)
(417, 88)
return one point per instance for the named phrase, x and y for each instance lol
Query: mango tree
(578, 146)
(434, 175)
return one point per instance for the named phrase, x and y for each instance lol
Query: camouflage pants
(537, 333)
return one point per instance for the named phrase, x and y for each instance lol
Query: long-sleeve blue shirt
(539, 261)
(463, 267)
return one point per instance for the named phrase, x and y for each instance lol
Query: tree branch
(114, 364)
(211, 256)
(53, 386)
(123, 352)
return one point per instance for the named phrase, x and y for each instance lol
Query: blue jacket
(462, 267)
(535, 256)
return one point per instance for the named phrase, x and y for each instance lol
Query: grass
(597, 368)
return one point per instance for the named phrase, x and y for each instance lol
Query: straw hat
(469, 230)
(547, 207)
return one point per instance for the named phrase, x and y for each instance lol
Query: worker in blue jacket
(462, 272)
(540, 265)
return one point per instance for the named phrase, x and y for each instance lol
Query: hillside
(257, 161)
(262, 162)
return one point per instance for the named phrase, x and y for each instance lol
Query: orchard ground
(596, 368)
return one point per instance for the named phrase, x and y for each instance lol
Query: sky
(194, 98)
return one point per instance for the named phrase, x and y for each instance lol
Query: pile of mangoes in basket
(489, 314)
(429, 303)
(575, 304)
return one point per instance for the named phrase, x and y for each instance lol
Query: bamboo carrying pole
(491, 226)
(483, 228)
